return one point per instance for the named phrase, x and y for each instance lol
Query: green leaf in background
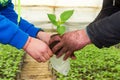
(52, 18)
(61, 30)
(66, 15)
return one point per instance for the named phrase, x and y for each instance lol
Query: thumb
(54, 40)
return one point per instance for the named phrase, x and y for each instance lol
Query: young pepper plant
(64, 16)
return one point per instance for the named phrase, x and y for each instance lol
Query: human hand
(37, 49)
(70, 42)
(44, 36)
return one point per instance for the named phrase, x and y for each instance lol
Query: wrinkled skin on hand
(70, 42)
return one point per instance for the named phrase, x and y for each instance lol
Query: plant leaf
(61, 30)
(52, 18)
(66, 15)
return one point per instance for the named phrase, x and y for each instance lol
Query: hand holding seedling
(69, 42)
(60, 28)
(59, 24)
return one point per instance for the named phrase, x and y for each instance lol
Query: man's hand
(37, 49)
(44, 36)
(70, 42)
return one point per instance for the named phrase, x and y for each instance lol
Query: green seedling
(10, 62)
(94, 64)
(60, 22)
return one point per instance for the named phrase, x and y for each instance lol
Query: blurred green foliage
(10, 59)
(94, 64)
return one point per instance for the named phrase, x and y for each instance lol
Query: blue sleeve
(24, 25)
(11, 34)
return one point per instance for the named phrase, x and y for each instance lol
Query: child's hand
(38, 50)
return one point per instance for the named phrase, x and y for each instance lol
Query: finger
(38, 60)
(50, 53)
(46, 56)
(73, 56)
(34, 56)
(41, 58)
(61, 52)
(68, 54)
(57, 47)
(54, 38)
(37, 57)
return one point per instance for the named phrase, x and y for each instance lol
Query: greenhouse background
(36, 11)
(91, 63)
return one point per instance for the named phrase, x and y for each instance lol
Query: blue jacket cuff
(19, 39)
(33, 31)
